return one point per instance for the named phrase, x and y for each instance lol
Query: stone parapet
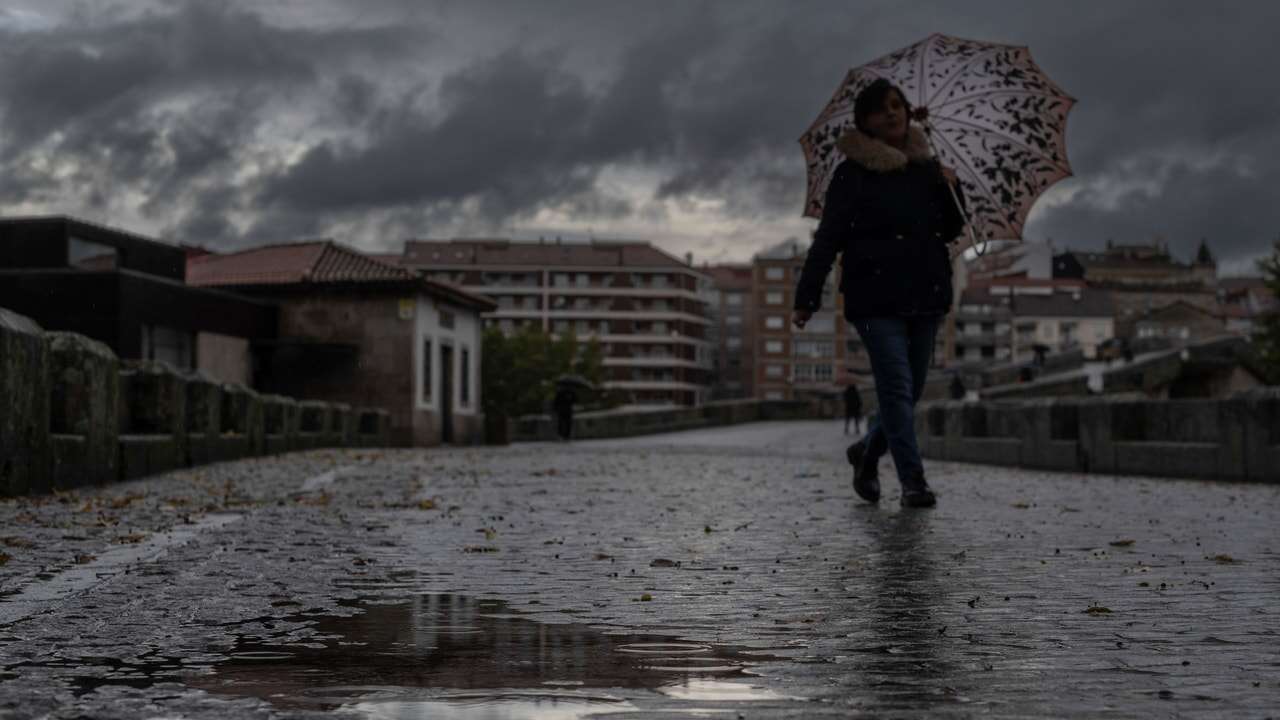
(72, 415)
(1235, 438)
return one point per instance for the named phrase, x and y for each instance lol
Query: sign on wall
(406, 308)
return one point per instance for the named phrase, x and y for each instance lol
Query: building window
(775, 273)
(773, 297)
(733, 320)
(446, 319)
(773, 395)
(168, 345)
(464, 391)
(773, 371)
(733, 343)
(773, 346)
(821, 323)
(426, 370)
(817, 373)
(774, 322)
(733, 299)
(814, 348)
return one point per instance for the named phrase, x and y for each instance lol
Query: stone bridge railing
(72, 415)
(631, 422)
(1235, 438)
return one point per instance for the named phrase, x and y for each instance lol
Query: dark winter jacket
(888, 213)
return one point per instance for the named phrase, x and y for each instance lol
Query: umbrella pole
(973, 238)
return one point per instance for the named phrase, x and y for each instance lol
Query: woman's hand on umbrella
(800, 317)
(949, 175)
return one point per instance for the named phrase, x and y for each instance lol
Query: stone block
(1261, 443)
(204, 418)
(279, 424)
(84, 401)
(24, 407)
(336, 430)
(313, 424)
(242, 424)
(153, 416)
(1094, 419)
(375, 427)
(1051, 439)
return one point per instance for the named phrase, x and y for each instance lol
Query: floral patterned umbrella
(989, 112)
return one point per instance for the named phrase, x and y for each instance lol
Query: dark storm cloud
(523, 106)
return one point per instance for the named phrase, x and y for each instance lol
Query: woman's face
(889, 122)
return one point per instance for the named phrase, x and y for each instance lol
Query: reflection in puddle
(512, 706)
(449, 656)
(719, 691)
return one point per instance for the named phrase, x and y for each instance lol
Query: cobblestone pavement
(735, 563)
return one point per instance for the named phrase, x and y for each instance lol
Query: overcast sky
(370, 121)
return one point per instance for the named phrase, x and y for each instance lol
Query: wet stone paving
(717, 573)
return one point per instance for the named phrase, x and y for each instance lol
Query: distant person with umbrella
(891, 209)
(852, 408)
(564, 401)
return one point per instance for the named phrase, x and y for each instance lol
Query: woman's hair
(872, 98)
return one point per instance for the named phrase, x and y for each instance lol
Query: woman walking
(890, 214)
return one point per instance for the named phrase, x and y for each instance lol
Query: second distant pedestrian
(852, 408)
(563, 405)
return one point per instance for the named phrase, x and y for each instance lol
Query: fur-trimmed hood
(879, 156)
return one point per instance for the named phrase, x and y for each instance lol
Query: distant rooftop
(316, 262)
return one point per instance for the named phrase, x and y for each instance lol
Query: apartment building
(732, 307)
(789, 363)
(647, 309)
(1011, 318)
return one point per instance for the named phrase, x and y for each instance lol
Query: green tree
(1267, 333)
(519, 371)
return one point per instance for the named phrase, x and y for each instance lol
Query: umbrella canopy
(990, 113)
(574, 381)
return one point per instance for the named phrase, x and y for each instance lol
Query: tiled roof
(429, 253)
(321, 261)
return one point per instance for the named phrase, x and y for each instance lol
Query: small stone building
(359, 330)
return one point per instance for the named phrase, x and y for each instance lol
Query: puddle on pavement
(455, 657)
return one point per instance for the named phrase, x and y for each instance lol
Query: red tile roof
(320, 261)
(315, 263)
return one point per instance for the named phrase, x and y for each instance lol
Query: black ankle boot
(866, 480)
(916, 493)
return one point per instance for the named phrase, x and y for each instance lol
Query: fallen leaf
(663, 563)
(1122, 543)
(1224, 560)
(602, 556)
(1022, 505)
(646, 597)
(1098, 610)
(427, 504)
(479, 549)
(5, 558)
(85, 559)
(17, 542)
(131, 539)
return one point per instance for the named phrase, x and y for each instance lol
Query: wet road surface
(718, 573)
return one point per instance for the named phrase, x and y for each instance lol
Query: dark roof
(1176, 309)
(597, 253)
(314, 263)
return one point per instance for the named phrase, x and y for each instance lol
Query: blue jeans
(900, 349)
